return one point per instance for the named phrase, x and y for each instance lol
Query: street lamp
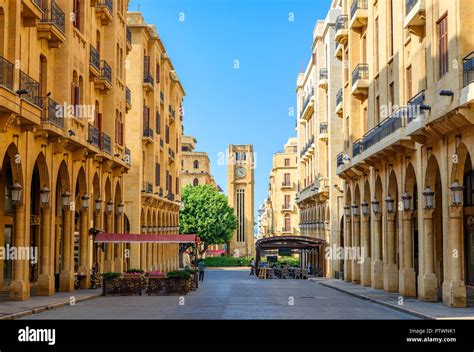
(375, 206)
(85, 201)
(120, 208)
(389, 202)
(406, 201)
(365, 208)
(428, 196)
(110, 206)
(44, 195)
(16, 192)
(347, 210)
(355, 209)
(98, 204)
(143, 229)
(456, 193)
(66, 199)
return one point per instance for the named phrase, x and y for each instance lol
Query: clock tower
(240, 179)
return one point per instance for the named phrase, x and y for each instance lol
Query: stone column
(365, 267)
(454, 290)
(377, 263)
(407, 275)
(66, 277)
(347, 245)
(391, 269)
(355, 245)
(45, 279)
(429, 286)
(84, 249)
(109, 247)
(95, 249)
(118, 247)
(19, 289)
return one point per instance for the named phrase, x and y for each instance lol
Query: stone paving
(233, 294)
(425, 310)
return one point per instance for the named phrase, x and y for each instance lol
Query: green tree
(206, 213)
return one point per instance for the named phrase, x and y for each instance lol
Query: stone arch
(458, 170)
(411, 185)
(392, 189)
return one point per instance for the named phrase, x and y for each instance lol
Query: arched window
(196, 164)
(195, 182)
(78, 11)
(469, 189)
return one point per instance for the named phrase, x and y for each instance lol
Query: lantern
(428, 196)
(389, 201)
(110, 206)
(375, 206)
(347, 210)
(144, 229)
(85, 201)
(44, 195)
(98, 204)
(120, 208)
(365, 208)
(456, 193)
(66, 199)
(16, 192)
(406, 201)
(355, 209)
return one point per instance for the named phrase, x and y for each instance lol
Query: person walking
(201, 267)
(252, 267)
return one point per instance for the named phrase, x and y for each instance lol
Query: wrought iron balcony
(128, 97)
(52, 13)
(170, 196)
(358, 5)
(415, 106)
(129, 36)
(307, 146)
(340, 159)
(94, 59)
(127, 156)
(148, 187)
(468, 69)
(356, 148)
(148, 79)
(105, 11)
(306, 102)
(53, 113)
(415, 14)
(323, 73)
(361, 72)
(385, 128)
(148, 132)
(106, 71)
(105, 142)
(341, 29)
(323, 127)
(93, 136)
(6, 73)
(32, 87)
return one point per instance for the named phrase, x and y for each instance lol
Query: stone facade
(407, 112)
(196, 166)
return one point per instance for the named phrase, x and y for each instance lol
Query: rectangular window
(241, 215)
(409, 83)
(158, 123)
(287, 162)
(443, 45)
(157, 175)
(392, 95)
(391, 28)
(376, 45)
(377, 110)
(287, 179)
(287, 202)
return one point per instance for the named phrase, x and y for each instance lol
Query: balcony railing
(162, 97)
(93, 137)
(360, 72)
(53, 113)
(358, 5)
(128, 156)
(32, 87)
(55, 15)
(306, 101)
(106, 71)
(94, 58)
(385, 128)
(307, 146)
(356, 148)
(106, 3)
(340, 159)
(148, 187)
(171, 153)
(339, 96)
(414, 106)
(147, 132)
(105, 142)
(6, 73)
(287, 184)
(129, 36)
(170, 196)
(341, 22)
(323, 127)
(409, 5)
(128, 96)
(468, 69)
(323, 73)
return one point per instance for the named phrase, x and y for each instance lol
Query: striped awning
(143, 238)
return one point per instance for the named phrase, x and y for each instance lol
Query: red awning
(145, 238)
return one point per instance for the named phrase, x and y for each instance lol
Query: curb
(47, 307)
(385, 304)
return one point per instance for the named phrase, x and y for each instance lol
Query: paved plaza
(233, 294)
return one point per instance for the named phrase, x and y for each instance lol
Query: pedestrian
(252, 267)
(310, 269)
(202, 267)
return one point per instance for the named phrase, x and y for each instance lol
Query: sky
(238, 61)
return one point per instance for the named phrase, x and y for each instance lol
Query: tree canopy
(206, 213)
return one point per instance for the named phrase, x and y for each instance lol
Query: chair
(304, 274)
(285, 273)
(270, 274)
(297, 273)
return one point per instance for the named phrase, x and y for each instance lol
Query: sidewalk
(228, 268)
(37, 304)
(424, 310)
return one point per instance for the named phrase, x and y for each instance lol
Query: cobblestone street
(232, 294)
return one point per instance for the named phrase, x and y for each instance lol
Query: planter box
(123, 286)
(156, 286)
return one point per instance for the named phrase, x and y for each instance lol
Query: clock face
(240, 172)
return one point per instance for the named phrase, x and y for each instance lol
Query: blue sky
(248, 105)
